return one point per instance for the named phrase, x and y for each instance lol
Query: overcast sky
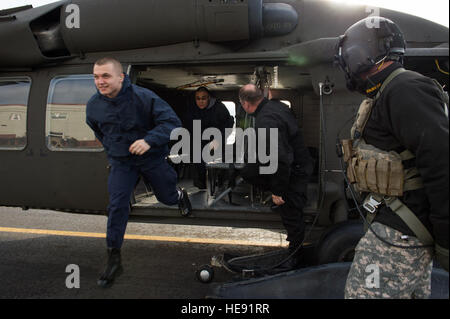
(434, 10)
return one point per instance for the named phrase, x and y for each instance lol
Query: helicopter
(50, 159)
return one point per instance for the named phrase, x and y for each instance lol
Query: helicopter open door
(176, 83)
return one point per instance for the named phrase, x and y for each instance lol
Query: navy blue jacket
(135, 113)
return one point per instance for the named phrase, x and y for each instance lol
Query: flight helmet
(365, 44)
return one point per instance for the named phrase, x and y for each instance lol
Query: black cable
(291, 255)
(323, 148)
(297, 249)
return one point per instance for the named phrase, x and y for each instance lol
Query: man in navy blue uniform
(134, 126)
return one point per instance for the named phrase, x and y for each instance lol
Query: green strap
(388, 80)
(410, 220)
(383, 86)
(413, 180)
(406, 155)
(413, 184)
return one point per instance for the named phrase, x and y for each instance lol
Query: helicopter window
(66, 128)
(288, 103)
(231, 107)
(13, 112)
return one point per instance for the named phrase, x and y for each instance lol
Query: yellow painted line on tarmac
(50, 232)
(142, 237)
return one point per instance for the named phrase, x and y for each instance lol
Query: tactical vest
(372, 169)
(382, 173)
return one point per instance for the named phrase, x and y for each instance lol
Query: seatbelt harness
(373, 201)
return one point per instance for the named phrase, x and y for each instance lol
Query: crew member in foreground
(398, 160)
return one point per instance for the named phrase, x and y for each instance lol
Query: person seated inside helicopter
(208, 112)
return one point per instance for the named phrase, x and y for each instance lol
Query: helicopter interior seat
(143, 187)
(214, 174)
(219, 186)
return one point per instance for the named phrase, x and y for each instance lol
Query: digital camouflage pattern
(383, 271)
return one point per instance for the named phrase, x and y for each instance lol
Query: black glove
(441, 256)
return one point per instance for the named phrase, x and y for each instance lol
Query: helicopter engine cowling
(72, 27)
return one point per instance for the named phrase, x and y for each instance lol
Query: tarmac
(43, 254)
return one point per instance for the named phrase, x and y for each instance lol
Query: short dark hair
(114, 61)
(203, 89)
(250, 93)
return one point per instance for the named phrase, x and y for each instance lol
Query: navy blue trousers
(121, 182)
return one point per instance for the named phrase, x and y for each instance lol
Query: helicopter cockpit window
(13, 112)
(66, 128)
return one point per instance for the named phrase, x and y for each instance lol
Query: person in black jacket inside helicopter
(211, 113)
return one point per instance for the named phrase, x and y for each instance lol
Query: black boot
(291, 261)
(184, 203)
(113, 268)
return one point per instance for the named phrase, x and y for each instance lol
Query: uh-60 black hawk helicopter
(50, 158)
